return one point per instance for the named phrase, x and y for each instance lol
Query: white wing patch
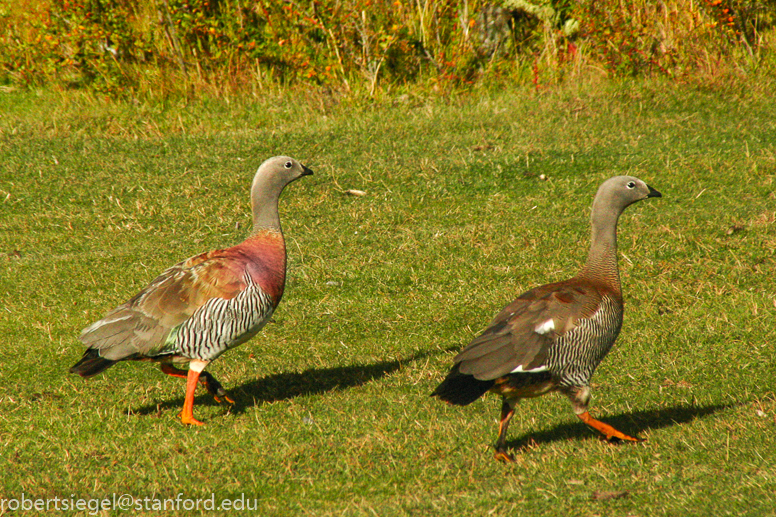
(538, 369)
(546, 327)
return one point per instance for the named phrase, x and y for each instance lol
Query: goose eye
(288, 165)
(631, 185)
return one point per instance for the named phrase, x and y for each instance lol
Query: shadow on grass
(287, 385)
(629, 423)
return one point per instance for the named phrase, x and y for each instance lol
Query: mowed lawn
(470, 200)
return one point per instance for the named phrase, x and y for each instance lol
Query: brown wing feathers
(520, 336)
(141, 325)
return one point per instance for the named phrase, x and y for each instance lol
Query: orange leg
(208, 381)
(175, 372)
(507, 410)
(580, 398)
(187, 415)
(605, 429)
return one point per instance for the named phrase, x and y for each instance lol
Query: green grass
(333, 415)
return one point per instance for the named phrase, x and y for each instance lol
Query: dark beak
(308, 172)
(653, 192)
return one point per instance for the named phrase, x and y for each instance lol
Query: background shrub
(222, 46)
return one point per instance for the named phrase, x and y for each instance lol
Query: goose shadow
(288, 385)
(630, 423)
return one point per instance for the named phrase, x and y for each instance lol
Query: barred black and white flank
(200, 308)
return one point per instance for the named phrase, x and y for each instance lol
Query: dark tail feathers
(91, 364)
(461, 389)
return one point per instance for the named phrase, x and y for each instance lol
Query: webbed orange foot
(214, 388)
(189, 419)
(226, 398)
(611, 434)
(504, 457)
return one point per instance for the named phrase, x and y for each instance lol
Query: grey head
(617, 193)
(270, 180)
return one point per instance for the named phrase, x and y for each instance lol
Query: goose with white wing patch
(553, 337)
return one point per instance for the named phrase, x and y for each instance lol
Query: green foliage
(638, 38)
(325, 42)
(217, 47)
